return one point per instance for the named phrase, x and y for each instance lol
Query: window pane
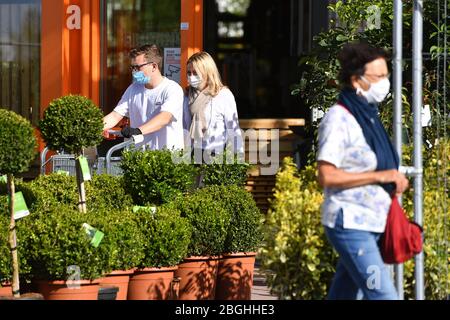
(20, 41)
(130, 24)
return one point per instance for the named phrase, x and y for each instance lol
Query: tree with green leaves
(17, 151)
(72, 123)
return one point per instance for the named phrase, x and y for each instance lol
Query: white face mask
(194, 81)
(377, 91)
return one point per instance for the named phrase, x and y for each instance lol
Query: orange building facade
(74, 44)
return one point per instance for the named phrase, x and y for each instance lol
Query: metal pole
(417, 108)
(397, 86)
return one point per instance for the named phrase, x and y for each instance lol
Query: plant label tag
(85, 172)
(63, 172)
(95, 235)
(3, 179)
(151, 210)
(20, 206)
(426, 116)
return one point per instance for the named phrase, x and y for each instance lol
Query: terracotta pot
(118, 279)
(197, 278)
(235, 276)
(6, 290)
(69, 290)
(26, 296)
(151, 284)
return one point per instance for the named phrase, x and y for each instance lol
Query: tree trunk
(81, 190)
(13, 239)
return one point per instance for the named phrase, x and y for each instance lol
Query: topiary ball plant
(209, 221)
(225, 169)
(17, 150)
(166, 236)
(17, 143)
(72, 123)
(123, 242)
(245, 232)
(103, 192)
(56, 240)
(153, 178)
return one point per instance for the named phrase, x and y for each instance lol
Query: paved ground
(260, 290)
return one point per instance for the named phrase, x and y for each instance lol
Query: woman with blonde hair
(210, 111)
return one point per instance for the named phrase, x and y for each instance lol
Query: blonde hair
(204, 64)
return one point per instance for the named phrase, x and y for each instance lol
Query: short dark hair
(353, 59)
(152, 54)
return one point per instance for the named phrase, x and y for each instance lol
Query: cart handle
(134, 140)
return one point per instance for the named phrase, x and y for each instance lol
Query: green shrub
(296, 256)
(245, 230)
(50, 190)
(123, 243)
(17, 143)
(436, 211)
(300, 263)
(166, 236)
(224, 173)
(103, 191)
(55, 240)
(72, 123)
(209, 221)
(153, 178)
(5, 253)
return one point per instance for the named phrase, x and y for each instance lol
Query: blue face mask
(140, 78)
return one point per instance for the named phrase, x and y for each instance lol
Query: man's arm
(111, 120)
(161, 120)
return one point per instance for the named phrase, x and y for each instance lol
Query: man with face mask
(153, 103)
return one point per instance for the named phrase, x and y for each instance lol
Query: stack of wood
(260, 147)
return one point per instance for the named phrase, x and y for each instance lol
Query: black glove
(127, 132)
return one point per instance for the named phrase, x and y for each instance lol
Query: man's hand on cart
(110, 134)
(128, 132)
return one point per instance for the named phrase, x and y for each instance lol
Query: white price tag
(426, 116)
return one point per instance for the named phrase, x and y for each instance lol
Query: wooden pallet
(261, 186)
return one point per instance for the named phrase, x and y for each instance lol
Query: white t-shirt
(342, 143)
(141, 105)
(222, 123)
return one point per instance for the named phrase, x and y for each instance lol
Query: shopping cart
(102, 163)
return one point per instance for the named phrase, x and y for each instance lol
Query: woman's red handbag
(402, 238)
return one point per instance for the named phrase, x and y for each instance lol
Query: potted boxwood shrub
(103, 192)
(65, 265)
(110, 211)
(72, 123)
(209, 221)
(124, 244)
(244, 236)
(153, 177)
(225, 169)
(17, 150)
(166, 238)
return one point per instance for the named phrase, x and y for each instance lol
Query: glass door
(20, 45)
(131, 23)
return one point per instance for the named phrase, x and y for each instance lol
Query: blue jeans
(360, 269)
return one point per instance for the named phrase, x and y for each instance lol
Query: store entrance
(257, 45)
(133, 23)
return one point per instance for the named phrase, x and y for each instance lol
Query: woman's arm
(332, 177)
